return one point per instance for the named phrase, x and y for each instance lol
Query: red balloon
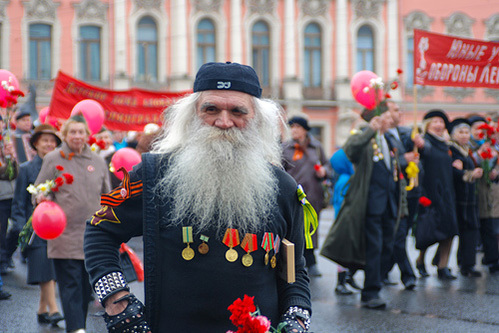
(93, 113)
(6, 98)
(362, 90)
(125, 157)
(43, 114)
(49, 220)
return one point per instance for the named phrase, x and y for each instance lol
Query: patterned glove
(132, 319)
(291, 323)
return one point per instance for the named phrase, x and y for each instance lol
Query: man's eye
(210, 109)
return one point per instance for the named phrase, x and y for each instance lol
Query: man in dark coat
(363, 234)
(212, 207)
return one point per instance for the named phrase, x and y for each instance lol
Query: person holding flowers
(440, 224)
(465, 176)
(41, 270)
(486, 156)
(90, 178)
(216, 212)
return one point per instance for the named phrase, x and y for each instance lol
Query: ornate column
(121, 75)
(179, 53)
(236, 38)
(292, 88)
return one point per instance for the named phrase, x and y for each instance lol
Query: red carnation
(317, 167)
(394, 85)
(59, 181)
(69, 177)
(241, 310)
(388, 96)
(59, 167)
(424, 201)
(55, 189)
(399, 71)
(91, 140)
(493, 141)
(1, 137)
(101, 144)
(488, 119)
(481, 135)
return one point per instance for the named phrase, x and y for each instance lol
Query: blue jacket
(344, 169)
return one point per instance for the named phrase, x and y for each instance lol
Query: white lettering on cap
(223, 85)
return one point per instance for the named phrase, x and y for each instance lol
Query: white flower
(32, 189)
(94, 147)
(365, 90)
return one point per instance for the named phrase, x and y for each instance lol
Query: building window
(261, 52)
(365, 49)
(40, 51)
(313, 56)
(205, 42)
(409, 74)
(90, 53)
(147, 50)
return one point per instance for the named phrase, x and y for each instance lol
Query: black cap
(457, 122)
(437, 113)
(476, 119)
(300, 121)
(368, 114)
(227, 76)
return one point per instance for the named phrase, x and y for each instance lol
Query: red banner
(128, 110)
(441, 60)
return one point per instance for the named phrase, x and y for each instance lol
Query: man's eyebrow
(241, 109)
(207, 105)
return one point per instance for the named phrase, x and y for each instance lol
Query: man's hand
(418, 141)
(458, 164)
(376, 123)
(477, 173)
(113, 309)
(493, 174)
(412, 157)
(8, 148)
(320, 172)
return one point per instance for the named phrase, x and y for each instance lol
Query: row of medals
(231, 255)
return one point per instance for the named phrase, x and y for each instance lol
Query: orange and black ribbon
(298, 154)
(125, 191)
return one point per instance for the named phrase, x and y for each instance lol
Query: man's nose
(224, 120)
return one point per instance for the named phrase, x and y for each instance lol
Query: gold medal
(247, 260)
(266, 259)
(267, 245)
(273, 262)
(203, 248)
(231, 255)
(188, 253)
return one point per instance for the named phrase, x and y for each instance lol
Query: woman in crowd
(79, 201)
(465, 175)
(40, 269)
(305, 161)
(440, 224)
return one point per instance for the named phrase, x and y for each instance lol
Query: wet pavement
(463, 305)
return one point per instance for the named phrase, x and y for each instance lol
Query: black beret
(437, 113)
(227, 76)
(300, 121)
(456, 122)
(476, 119)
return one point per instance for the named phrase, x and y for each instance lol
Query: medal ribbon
(204, 238)
(309, 216)
(187, 234)
(277, 244)
(231, 237)
(268, 241)
(249, 243)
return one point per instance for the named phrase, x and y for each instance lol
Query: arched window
(313, 56)
(90, 53)
(260, 36)
(40, 51)
(409, 70)
(147, 50)
(205, 42)
(365, 49)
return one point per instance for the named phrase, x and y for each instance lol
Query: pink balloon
(6, 98)
(127, 158)
(43, 114)
(93, 113)
(49, 220)
(362, 90)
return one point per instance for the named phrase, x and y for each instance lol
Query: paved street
(464, 305)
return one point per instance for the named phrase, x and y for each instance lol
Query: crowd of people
(221, 193)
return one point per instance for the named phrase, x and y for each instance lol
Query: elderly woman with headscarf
(438, 222)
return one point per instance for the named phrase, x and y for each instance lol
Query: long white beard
(220, 179)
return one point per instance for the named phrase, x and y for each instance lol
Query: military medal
(377, 154)
(277, 243)
(231, 239)
(203, 248)
(267, 245)
(249, 244)
(187, 253)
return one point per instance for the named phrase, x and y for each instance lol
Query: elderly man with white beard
(213, 206)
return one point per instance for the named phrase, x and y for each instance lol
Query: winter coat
(78, 200)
